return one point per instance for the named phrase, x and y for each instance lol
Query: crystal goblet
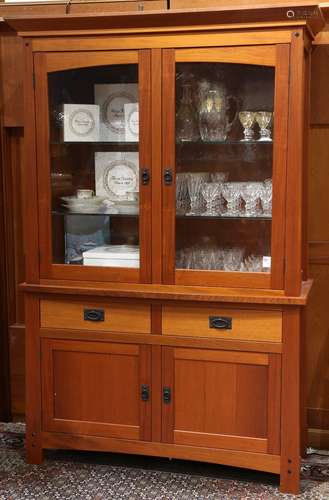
(247, 119)
(232, 258)
(250, 194)
(232, 196)
(264, 118)
(219, 176)
(211, 191)
(253, 263)
(266, 197)
(181, 193)
(195, 182)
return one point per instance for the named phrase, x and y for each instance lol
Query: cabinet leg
(290, 476)
(34, 450)
(34, 454)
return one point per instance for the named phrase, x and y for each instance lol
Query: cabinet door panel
(95, 388)
(93, 132)
(220, 399)
(225, 115)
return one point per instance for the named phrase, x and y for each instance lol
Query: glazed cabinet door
(99, 389)
(93, 165)
(221, 399)
(225, 113)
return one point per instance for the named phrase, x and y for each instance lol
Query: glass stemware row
(249, 118)
(219, 259)
(202, 193)
(206, 111)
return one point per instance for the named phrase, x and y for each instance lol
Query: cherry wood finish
(165, 340)
(185, 17)
(82, 7)
(245, 324)
(291, 403)
(295, 161)
(45, 63)
(243, 425)
(256, 461)
(227, 406)
(4, 371)
(278, 57)
(118, 317)
(71, 371)
(33, 382)
(172, 292)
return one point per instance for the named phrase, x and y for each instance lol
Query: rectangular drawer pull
(220, 322)
(93, 314)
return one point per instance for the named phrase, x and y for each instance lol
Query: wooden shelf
(223, 217)
(170, 292)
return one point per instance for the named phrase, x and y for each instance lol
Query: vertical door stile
(156, 130)
(43, 162)
(145, 406)
(145, 159)
(168, 377)
(168, 163)
(280, 164)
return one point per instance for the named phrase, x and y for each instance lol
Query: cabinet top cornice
(308, 15)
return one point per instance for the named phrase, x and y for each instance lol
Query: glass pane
(94, 134)
(224, 116)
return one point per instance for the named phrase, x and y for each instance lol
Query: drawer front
(220, 322)
(114, 317)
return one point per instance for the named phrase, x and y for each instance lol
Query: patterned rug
(106, 476)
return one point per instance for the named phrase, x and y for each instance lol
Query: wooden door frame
(273, 363)
(47, 62)
(277, 57)
(51, 423)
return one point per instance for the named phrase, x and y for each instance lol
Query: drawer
(221, 322)
(85, 315)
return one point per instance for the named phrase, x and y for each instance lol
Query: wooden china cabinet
(164, 192)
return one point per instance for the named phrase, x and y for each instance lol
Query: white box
(117, 175)
(132, 122)
(112, 256)
(112, 98)
(81, 122)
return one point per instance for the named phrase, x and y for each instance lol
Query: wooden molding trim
(170, 292)
(318, 438)
(318, 418)
(312, 18)
(319, 252)
(257, 461)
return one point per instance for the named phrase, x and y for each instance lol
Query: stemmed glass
(264, 118)
(247, 119)
(219, 176)
(253, 264)
(232, 258)
(211, 191)
(266, 197)
(250, 193)
(232, 196)
(195, 182)
(181, 193)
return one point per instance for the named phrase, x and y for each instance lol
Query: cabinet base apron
(256, 461)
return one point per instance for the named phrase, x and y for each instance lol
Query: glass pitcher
(186, 117)
(214, 123)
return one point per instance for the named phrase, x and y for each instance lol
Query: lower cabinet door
(96, 388)
(221, 399)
